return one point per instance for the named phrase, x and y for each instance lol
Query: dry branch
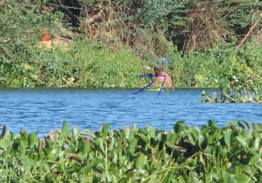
(248, 33)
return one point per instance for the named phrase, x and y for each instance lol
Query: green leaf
(89, 166)
(201, 139)
(151, 132)
(12, 136)
(226, 177)
(248, 124)
(40, 145)
(127, 131)
(228, 137)
(73, 156)
(6, 153)
(65, 128)
(4, 143)
(75, 131)
(168, 177)
(114, 179)
(171, 140)
(242, 178)
(143, 137)
(179, 127)
(247, 169)
(202, 159)
(258, 127)
(191, 139)
(131, 136)
(85, 146)
(257, 142)
(181, 179)
(70, 170)
(133, 126)
(28, 162)
(87, 133)
(132, 145)
(241, 141)
(101, 146)
(212, 124)
(210, 140)
(253, 151)
(254, 159)
(3, 174)
(48, 143)
(111, 144)
(204, 131)
(24, 138)
(240, 124)
(140, 160)
(217, 134)
(32, 138)
(221, 152)
(105, 130)
(194, 133)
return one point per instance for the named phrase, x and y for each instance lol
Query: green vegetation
(186, 154)
(228, 96)
(89, 65)
(111, 42)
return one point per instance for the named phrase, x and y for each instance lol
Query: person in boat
(159, 71)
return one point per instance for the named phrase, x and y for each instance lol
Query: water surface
(44, 109)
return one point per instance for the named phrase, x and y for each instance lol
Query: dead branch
(248, 33)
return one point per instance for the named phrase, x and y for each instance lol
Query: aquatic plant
(231, 96)
(185, 154)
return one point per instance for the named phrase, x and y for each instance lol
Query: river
(45, 109)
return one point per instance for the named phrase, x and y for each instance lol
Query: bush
(83, 65)
(185, 154)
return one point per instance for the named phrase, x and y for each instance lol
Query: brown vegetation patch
(204, 29)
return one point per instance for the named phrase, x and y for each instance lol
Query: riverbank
(91, 54)
(94, 65)
(205, 154)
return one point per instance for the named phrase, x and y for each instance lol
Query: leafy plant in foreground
(231, 153)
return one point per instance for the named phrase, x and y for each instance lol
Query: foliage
(83, 65)
(237, 75)
(218, 67)
(186, 154)
(20, 27)
(149, 25)
(140, 25)
(237, 16)
(232, 96)
(96, 65)
(115, 32)
(216, 21)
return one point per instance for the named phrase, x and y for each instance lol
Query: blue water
(46, 109)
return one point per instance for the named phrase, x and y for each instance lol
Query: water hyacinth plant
(232, 96)
(186, 154)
